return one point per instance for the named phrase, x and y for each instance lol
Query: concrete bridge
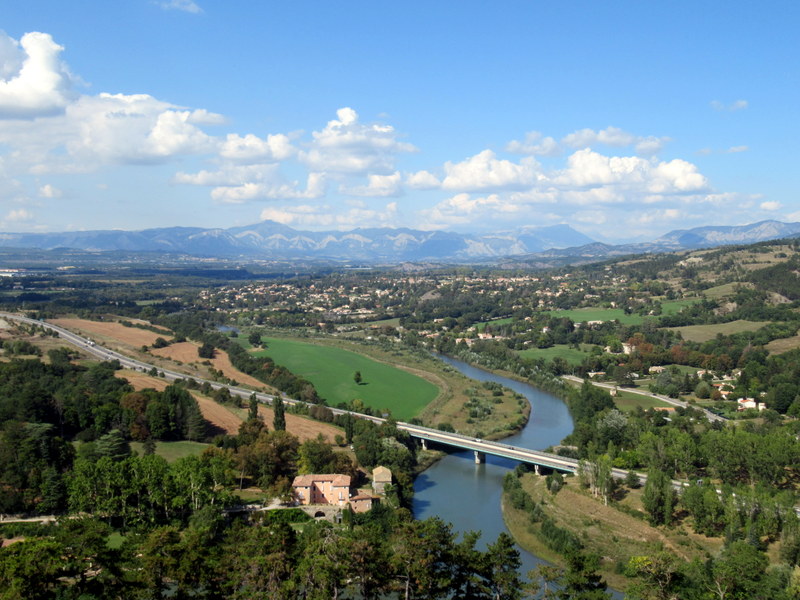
(479, 447)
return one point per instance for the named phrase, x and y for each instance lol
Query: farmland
(571, 355)
(332, 370)
(703, 333)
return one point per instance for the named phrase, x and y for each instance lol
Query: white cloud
(378, 186)
(253, 148)
(587, 168)
(422, 180)
(732, 107)
(49, 191)
(183, 5)
(485, 172)
(535, 144)
(306, 215)
(19, 215)
(268, 188)
(737, 149)
(464, 208)
(615, 137)
(33, 81)
(771, 205)
(347, 146)
(610, 136)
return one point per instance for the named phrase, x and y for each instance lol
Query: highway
(535, 457)
(611, 386)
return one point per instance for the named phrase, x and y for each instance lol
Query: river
(468, 495)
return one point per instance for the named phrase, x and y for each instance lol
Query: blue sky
(623, 119)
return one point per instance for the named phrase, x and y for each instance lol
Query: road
(611, 386)
(545, 459)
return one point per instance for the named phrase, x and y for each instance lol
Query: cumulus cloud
(18, 215)
(378, 186)
(587, 168)
(251, 148)
(49, 191)
(346, 145)
(485, 171)
(33, 80)
(422, 180)
(535, 144)
(770, 205)
(182, 5)
(615, 137)
(732, 107)
(329, 216)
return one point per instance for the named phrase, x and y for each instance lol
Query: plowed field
(108, 330)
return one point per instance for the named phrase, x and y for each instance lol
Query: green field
(172, 451)
(331, 371)
(571, 355)
(703, 333)
(628, 401)
(581, 315)
(722, 291)
(482, 326)
(672, 307)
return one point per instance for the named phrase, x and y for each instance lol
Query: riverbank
(615, 532)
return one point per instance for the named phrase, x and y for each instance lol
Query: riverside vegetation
(731, 532)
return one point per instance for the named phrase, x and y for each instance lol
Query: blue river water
(468, 495)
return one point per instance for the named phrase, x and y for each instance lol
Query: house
(744, 403)
(656, 369)
(362, 502)
(322, 489)
(381, 477)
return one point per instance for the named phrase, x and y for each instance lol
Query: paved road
(544, 459)
(611, 386)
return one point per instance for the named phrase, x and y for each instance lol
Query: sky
(624, 119)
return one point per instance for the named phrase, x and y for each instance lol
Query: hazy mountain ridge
(269, 239)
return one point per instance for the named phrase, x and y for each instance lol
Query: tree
(503, 564)
(580, 580)
(252, 409)
(659, 497)
(113, 445)
(357, 377)
(279, 416)
(254, 338)
(207, 350)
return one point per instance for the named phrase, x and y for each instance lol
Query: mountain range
(271, 240)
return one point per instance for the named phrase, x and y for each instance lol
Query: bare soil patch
(7, 542)
(228, 421)
(186, 352)
(107, 330)
(305, 429)
(219, 416)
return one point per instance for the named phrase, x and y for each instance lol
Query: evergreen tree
(113, 445)
(279, 418)
(252, 410)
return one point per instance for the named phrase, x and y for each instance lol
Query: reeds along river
(468, 495)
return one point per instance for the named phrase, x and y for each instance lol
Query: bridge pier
(480, 457)
(424, 443)
(536, 469)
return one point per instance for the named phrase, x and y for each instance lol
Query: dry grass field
(783, 345)
(227, 421)
(186, 352)
(107, 330)
(703, 333)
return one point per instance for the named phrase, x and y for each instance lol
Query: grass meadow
(703, 333)
(331, 370)
(571, 355)
(172, 451)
